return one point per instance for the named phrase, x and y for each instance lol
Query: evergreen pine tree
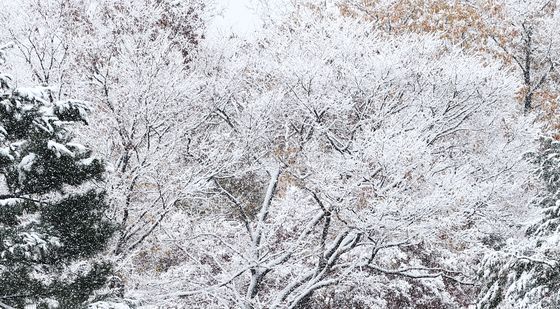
(527, 275)
(51, 223)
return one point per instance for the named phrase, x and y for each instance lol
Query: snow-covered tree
(311, 199)
(52, 214)
(139, 77)
(526, 274)
(518, 33)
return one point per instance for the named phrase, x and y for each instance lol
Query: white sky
(237, 16)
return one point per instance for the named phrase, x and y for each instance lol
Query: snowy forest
(340, 154)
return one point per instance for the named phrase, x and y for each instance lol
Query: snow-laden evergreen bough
(527, 274)
(51, 213)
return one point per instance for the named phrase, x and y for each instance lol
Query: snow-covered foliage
(352, 213)
(347, 154)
